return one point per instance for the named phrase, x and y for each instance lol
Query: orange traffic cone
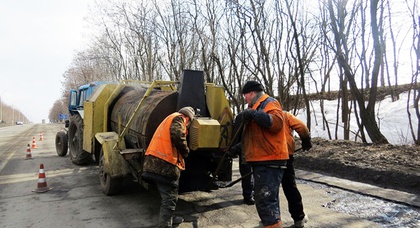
(33, 143)
(42, 181)
(41, 137)
(28, 152)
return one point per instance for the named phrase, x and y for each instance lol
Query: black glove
(263, 119)
(185, 154)
(248, 114)
(233, 151)
(306, 143)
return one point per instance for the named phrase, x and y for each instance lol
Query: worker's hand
(185, 154)
(231, 154)
(233, 151)
(306, 143)
(248, 114)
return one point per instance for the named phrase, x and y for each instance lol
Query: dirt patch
(388, 166)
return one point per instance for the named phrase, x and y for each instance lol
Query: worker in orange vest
(164, 161)
(288, 183)
(265, 149)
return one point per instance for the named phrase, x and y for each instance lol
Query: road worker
(288, 183)
(164, 161)
(265, 149)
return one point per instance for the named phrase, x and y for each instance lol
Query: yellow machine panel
(94, 114)
(219, 109)
(204, 133)
(115, 165)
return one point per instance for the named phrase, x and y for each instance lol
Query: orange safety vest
(262, 144)
(161, 145)
(292, 123)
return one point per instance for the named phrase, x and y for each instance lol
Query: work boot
(177, 220)
(249, 200)
(277, 225)
(301, 223)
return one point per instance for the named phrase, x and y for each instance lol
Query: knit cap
(252, 86)
(188, 111)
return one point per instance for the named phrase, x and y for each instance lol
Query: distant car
(19, 122)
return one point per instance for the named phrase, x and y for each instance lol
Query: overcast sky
(38, 39)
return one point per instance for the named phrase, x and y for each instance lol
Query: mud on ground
(388, 166)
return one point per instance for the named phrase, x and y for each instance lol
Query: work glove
(306, 143)
(248, 114)
(185, 154)
(263, 119)
(233, 151)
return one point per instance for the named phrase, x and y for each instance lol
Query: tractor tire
(61, 143)
(109, 185)
(77, 154)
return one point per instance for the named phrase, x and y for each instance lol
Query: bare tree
(415, 50)
(267, 47)
(394, 56)
(283, 62)
(275, 42)
(342, 43)
(232, 72)
(304, 55)
(326, 65)
(10, 115)
(257, 45)
(59, 107)
(174, 30)
(141, 42)
(367, 112)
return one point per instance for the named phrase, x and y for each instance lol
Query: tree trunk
(367, 115)
(302, 65)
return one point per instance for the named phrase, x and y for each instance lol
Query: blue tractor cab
(72, 135)
(78, 97)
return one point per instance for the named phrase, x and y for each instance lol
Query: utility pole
(1, 107)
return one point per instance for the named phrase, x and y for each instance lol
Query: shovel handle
(219, 166)
(230, 184)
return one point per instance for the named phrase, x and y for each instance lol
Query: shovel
(219, 166)
(230, 184)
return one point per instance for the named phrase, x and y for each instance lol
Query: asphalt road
(76, 200)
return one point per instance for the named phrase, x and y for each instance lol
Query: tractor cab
(78, 97)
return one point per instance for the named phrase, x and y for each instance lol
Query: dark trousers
(267, 184)
(294, 199)
(169, 195)
(247, 182)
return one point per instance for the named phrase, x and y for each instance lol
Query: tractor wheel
(78, 155)
(110, 186)
(61, 143)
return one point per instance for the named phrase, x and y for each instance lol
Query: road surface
(76, 200)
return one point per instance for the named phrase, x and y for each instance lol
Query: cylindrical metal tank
(156, 107)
